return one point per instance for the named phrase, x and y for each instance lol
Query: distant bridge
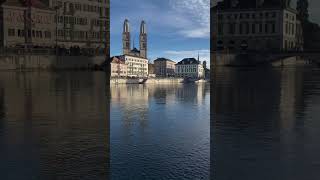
(256, 57)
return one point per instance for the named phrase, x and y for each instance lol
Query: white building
(189, 67)
(256, 25)
(137, 66)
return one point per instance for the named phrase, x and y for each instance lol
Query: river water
(160, 131)
(54, 126)
(265, 123)
(72, 125)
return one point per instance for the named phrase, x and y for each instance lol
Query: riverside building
(189, 68)
(267, 25)
(118, 67)
(164, 67)
(50, 23)
(26, 23)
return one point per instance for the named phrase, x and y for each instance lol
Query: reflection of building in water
(137, 100)
(134, 100)
(291, 97)
(50, 116)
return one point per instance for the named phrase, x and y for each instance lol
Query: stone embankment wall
(20, 62)
(149, 81)
(164, 80)
(291, 61)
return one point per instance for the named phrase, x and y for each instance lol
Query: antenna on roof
(198, 57)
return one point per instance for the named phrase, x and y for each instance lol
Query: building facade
(137, 66)
(255, 25)
(118, 67)
(83, 23)
(50, 23)
(151, 70)
(135, 59)
(164, 67)
(189, 68)
(25, 23)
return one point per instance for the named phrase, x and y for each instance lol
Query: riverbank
(50, 62)
(153, 81)
(257, 59)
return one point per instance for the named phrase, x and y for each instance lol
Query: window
(253, 28)
(273, 27)
(11, 32)
(247, 28)
(260, 28)
(231, 28)
(266, 28)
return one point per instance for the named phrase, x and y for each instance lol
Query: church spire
(126, 37)
(143, 39)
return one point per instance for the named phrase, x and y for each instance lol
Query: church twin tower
(126, 40)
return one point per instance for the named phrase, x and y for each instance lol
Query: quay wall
(164, 80)
(149, 81)
(21, 62)
(291, 61)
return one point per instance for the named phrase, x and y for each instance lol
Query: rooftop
(253, 4)
(189, 61)
(164, 59)
(26, 3)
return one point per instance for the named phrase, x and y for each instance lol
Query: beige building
(66, 23)
(189, 68)
(26, 24)
(83, 23)
(257, 25)
(118, 67)
(164, 67)
(151, 70)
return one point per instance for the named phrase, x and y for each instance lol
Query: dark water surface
(160, 132)
(54, 126)
(265, 124)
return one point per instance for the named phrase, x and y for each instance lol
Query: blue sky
(176, 28)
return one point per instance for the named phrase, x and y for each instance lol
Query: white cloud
(179, 55)
(197, 14)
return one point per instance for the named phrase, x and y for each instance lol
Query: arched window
(231, 44)
(220, 45)
(244, 45)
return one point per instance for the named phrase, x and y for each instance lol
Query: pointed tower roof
(143, 27)
(126, 26)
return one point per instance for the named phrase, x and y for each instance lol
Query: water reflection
(54, 125)
(264, 123)
(160, 131)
